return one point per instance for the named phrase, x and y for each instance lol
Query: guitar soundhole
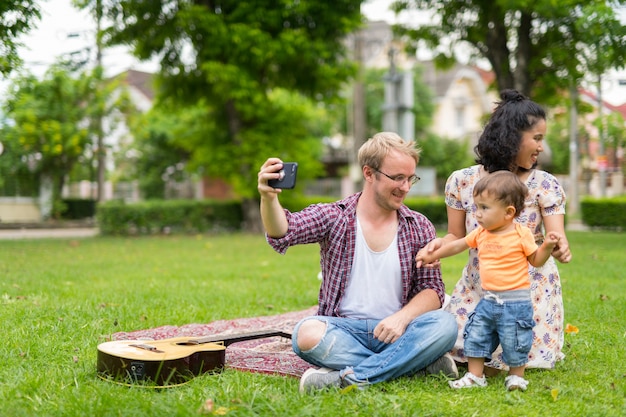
(188, 343)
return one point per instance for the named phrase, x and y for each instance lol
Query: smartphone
(287, 176)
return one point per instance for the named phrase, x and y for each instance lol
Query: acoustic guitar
(168, 362)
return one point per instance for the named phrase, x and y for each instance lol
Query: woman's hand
(561, 251)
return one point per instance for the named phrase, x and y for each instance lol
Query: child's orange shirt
(503, 258)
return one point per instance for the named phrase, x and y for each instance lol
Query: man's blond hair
(373, 152)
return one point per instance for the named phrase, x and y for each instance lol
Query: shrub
(605, 213)
(78, 208)
(169, 216)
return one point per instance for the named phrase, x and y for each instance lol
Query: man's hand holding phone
(287, 176)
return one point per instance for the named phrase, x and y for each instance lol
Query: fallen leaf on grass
(348, 389)
(555, 393)
(569, 329)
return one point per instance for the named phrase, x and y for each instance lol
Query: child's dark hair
(504, 186)
(499, 143)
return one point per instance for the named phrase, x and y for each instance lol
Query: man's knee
(449, 327)
(310, 333)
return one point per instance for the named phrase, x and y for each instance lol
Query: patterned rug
(272, 355)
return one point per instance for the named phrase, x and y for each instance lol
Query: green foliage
(252, 83)
(61, 297)
(294, 202)
(169, 216)
(46, 133)
(434, 208)
(17, 18)
(606, 213)
(199, 216)
(536, 47)
(78, 208)
(445, 155)
(155, 149)
(16, 178)
(558, 139)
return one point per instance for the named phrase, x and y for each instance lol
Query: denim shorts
(500, 322)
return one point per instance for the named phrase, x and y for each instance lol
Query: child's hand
(423, 258)
(552, 239)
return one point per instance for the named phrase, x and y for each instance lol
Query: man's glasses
(400, 179)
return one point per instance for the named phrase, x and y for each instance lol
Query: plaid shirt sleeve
(332, 227)
(414, 234)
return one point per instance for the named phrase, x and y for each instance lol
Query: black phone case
(288, 181)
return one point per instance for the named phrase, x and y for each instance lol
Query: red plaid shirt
(333, 226)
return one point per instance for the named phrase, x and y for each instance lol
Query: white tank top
(374, 289)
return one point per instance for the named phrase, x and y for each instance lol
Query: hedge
(604, 213)
(200, 216)
(168, 216)
(78, 209)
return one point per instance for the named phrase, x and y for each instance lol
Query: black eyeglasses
(400, 179)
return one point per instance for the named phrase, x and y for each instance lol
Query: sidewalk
(39, 233)
(67, 229)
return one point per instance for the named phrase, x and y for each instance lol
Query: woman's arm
(456, 224)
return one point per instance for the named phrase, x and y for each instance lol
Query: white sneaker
(314, 378)
(444, 364)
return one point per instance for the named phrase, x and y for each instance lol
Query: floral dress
(546, 197)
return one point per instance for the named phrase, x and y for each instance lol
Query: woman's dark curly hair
(499, 143)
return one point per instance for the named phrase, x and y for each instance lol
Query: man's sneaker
(314, 379)
(445, 365)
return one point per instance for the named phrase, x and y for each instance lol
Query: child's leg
(477, 366)
(517, 370)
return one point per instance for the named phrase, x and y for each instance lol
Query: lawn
(61, 297)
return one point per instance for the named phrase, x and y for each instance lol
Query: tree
(233, 64)
(16, 18)
(537, 47)
(49, 129)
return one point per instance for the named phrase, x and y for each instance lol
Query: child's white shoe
(469, 380)
(514, 382)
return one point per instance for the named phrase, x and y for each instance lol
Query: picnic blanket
(272, 355)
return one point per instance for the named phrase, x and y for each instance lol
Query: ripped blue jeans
(350, 346)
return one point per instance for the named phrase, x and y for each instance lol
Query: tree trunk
(523, 82)
(251, 216)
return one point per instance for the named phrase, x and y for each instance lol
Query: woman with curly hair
(512, 140)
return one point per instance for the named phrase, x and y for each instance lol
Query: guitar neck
(229, 339)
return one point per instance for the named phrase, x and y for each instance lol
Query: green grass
(60, 298)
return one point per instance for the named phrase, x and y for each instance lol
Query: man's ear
(368, 173)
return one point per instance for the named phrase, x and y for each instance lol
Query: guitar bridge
(147, 347)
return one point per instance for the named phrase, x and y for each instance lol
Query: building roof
(142, 81)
